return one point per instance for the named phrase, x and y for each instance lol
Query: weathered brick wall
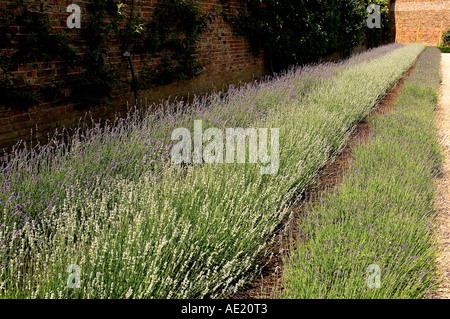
(226, 59)
(420, 20)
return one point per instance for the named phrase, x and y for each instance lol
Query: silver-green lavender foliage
(382, 214)
(138, 226)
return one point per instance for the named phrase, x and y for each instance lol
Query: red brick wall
(420, 20)
(226, 59)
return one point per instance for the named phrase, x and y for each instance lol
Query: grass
(138, 226)
(382, 214)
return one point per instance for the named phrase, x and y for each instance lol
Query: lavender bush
(111, 202)
(383, 212)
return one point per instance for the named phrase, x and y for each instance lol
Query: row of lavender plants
(130, 146)
(374, 235)
(108, 203)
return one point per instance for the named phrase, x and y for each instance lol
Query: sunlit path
(443, 201)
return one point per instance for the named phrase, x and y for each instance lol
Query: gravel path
(443, 200)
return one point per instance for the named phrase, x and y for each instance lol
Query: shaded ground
(269, 281)
(443, 198)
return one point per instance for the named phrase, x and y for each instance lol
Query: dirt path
(443, 199)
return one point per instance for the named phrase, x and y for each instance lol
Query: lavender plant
(35, 180)
(110, 201)
(383, 212)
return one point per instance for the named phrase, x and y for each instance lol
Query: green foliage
(92, 86)
(169, 37)
(36, 43)
(166, 44)
(295, 31)
(176, 28)
(444, 49)
(446, 38)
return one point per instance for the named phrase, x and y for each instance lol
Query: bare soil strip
(443, 198)
(270, 279)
